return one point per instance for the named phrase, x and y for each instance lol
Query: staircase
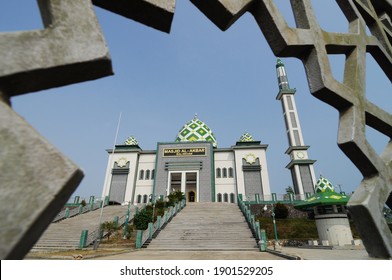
(65, 234)
(206, 227)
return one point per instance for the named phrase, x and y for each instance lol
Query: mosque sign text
(184, 152)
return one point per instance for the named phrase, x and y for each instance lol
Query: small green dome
(246, 137)
(324, 185)
(131, 141)
(194, 131)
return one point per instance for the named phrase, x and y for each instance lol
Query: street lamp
(274, 222)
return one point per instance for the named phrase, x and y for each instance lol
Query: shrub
(159, 204)
(281, 211)
(129, 231)
(142, 219)
(109, 227)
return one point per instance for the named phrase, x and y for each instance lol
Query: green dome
(246, 137)
(324, 185)
(196, 130)
(131, 141)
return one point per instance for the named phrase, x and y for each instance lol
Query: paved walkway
(301, 253)
(192, 255)
(326, 254)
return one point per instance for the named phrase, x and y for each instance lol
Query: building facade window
(231, 172)
(219, 197)
(218, 173)
(152, 174)
(145, 197)
(141, 175)
(224, 172)
(147, 174)
(232, 198)
(225, 197)
(139, 198)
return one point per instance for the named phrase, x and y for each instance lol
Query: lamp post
(274, 223)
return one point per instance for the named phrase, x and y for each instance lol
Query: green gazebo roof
(325, 195)
(196, 130)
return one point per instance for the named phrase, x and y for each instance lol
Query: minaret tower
(301, 167)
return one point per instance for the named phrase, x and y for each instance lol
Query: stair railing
(142, 237)
(254, 225)
(95, 236)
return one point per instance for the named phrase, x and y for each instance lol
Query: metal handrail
(169, 213)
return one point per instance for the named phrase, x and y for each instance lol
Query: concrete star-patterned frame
(312, 45)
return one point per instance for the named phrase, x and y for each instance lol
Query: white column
(183, 182)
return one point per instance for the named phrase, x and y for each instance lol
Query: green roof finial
(279, 63)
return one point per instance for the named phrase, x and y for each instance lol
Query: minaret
(301, 167)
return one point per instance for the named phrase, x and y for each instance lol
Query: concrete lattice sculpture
(312, 45)
(308, 42)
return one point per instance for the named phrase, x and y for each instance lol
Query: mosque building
(193, 164)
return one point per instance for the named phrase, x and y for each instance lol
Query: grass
(294, 228)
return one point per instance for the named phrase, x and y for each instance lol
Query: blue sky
(161, 80)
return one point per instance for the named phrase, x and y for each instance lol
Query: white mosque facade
(192, 164)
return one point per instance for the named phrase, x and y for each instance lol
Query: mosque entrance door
(191, 196)
(186, 182)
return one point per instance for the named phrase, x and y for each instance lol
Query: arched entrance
(191, 196)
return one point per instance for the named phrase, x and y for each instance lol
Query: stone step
(206, 227)
(65, 234)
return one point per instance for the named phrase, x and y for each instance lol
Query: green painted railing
(96, 235)
(77, 208)
(259, 234)
(143, 236)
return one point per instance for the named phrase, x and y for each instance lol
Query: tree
(175, 197)
(289, 190)
(281, 211)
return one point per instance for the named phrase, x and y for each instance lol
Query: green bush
(281, 211)
(109, 227)
(129, 231)
(175, 197)
(142, 219)
(160, 204)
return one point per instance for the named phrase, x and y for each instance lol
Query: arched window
(141, 175)
(139, 199)
(225, 197)
(232, 198)
(231, 173)
(147, 174)
(218, 173)
(152, 174)
(219, 197)
(224, 172)
(145, 197)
